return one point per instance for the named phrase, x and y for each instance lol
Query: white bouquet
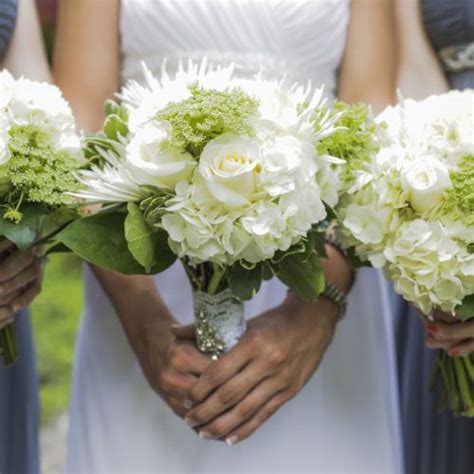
(409, 209)
(221, 172)
(39, 152)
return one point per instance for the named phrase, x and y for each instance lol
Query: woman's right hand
(21, 276)
(171, 367)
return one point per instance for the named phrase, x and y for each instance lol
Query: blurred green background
(55, 320)
(56, 311)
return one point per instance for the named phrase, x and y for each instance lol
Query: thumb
(184, 332)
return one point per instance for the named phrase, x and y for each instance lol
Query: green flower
(37, 172)
(205, 115)
(354, 142)
(459, 201)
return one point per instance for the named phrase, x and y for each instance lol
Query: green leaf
(243, 282)
(54, 221)
(114, 127)
(466, 310)
(318, 242)
(302, 274)
(24, 234)
(164, 257)
(100, 240)
(139, 237)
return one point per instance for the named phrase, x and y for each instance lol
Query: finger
(228, 395)
(458, 331)
(185, 358)
(6, 316)
(6, 245)
(175, 384)
(262, 415)
(176, 404)
(6, 300)
(14, 264)
(22, 279)
(445, 317)
(184, 332)
(462, 349)
(220, 371)
(26, 297)
(433, 343)
(221, 426)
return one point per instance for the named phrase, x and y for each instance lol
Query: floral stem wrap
(220, 321)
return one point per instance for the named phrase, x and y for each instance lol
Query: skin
(420, 75)
(228, 399)
(21, 274)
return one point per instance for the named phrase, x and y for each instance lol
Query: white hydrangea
(244, 197)
(397, 214)
(24, 102)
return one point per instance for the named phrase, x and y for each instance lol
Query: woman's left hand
(21, 276)
(450, 334)
(270, 365)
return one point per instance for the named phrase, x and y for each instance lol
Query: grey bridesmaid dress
(19, 383)
(434, 442)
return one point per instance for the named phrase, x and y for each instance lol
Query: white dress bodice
(303, 39)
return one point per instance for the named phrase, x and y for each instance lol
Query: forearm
(419, 71)
(136, 300)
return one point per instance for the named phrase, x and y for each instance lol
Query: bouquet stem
(457, 375)
(8, 347)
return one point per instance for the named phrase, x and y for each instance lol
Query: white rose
(425, 180)
(149, 165)
(230, 165)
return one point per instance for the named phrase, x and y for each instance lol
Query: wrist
(323, 310)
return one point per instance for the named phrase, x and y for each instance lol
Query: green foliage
(466, 310)
(206, 115)
(459, 203)
(37, 172)
(24, 234)
(302, 274)
(119, 241)
(244, 282)
(300, 268)
(354, 142)
(55, 317)
(149, 248)
(100, 239)
(139, 237)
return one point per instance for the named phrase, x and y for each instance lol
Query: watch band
(334, 294)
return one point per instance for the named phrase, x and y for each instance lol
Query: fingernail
(232, 440)
(190, 422)
(454, 353)
(187, 404)
(432, 328)
(205, 435)
(175, 326)
(16, 308)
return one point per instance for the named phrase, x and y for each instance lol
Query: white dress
(346, 419)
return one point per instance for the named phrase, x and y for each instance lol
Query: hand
(21, 276)
(450, 334)
(171, 367)
(270, 365)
